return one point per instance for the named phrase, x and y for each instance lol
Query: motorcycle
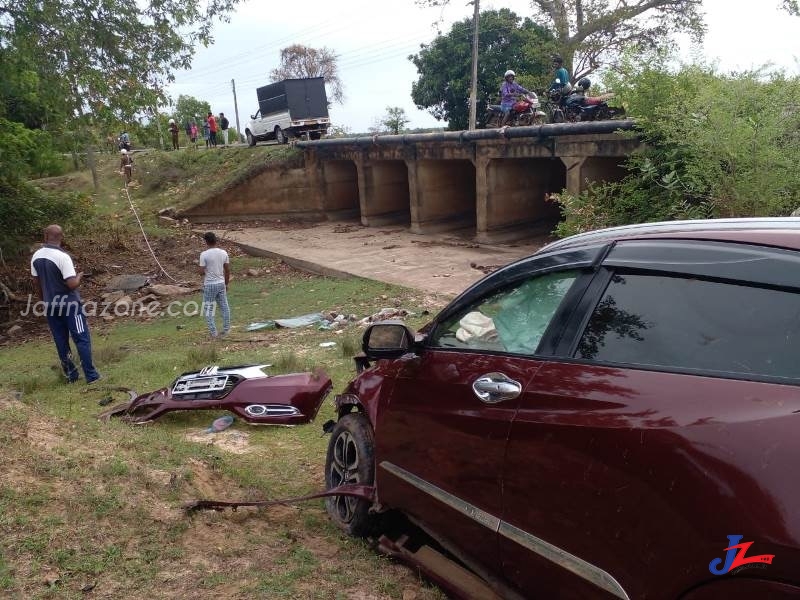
(577, 106)
(525, 111)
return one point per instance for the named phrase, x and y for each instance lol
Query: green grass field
(93, 509)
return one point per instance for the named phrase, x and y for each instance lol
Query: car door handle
(496, 387)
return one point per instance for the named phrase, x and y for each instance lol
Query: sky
(373, 39)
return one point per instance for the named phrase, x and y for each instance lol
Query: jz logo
(735, 556)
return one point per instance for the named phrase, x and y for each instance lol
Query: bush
(716, 146)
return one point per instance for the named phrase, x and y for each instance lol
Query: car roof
(772, 231)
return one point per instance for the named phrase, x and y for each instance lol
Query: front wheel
(351, 459)
(251, 140)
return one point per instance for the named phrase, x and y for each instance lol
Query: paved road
(440, 263)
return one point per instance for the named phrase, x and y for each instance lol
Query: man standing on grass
(57, 283)
(216, 268)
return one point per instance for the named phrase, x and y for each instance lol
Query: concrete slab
(445, 263)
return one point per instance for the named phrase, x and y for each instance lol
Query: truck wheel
(251, 141)
(351, 459)
(280, 137)
(315, 135)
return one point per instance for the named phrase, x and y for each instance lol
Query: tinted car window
(511, 320)
(695, 324)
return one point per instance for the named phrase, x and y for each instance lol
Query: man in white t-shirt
(216, 268)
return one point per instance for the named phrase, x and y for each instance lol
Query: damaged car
(616, 416)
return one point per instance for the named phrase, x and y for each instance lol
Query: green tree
(712, 149)
(592, 33)
(395, 119)
(444, 66)
(298, 61)
(188, 108)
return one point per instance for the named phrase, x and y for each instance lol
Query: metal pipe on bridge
(548, 130)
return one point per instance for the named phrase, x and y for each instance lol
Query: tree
(395, 119)
(189, 107)
(298, 61)
(591, 33)
(444, 66)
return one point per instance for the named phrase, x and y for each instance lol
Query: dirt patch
(235, 442)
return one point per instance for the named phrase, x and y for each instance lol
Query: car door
(441, 442)
(660, 428)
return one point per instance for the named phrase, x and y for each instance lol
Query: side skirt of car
(559, 556)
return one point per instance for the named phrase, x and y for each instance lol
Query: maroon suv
(616, 416)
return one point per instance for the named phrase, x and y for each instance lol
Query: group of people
(211, 126)
(56, 282)
(510, 89)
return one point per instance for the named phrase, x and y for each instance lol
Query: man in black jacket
(223, 125)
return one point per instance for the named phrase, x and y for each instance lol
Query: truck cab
(292, 108)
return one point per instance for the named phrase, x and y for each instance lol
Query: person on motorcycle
(561, 82)
(509, 91)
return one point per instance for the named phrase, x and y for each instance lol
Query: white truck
(292, 108)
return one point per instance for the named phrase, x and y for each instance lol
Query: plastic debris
(220, 424)
(327, 344)
(301, 321)
(260, 325)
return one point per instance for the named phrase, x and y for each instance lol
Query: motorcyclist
(509, 90)
(561, 82)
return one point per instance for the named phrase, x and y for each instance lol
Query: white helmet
(123, 151)
(510, 72)
(171, 121)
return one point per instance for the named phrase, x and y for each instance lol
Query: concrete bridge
(495, 182)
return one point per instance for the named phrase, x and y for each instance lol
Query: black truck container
(303, 98)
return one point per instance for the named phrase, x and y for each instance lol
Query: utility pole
(236, 110)
(473, 93)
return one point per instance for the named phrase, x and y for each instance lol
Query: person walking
(223, 126)
(57, 284)
(206, 134)
(126, 165)
(212, 129)
(173, 130)
(216, 269)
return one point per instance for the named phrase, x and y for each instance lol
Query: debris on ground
(327, 344)
(485, 269)
(220, 424)
(385, 314)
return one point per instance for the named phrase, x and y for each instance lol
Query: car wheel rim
(344, 470)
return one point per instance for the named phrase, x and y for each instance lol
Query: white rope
(144, 235)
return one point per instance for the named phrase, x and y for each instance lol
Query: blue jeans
(67, 321)
(214, 294)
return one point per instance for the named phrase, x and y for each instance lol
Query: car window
(511, 320)
(695, 324)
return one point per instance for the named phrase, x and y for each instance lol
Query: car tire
(280, 136)
(351, 459)
(251, 140)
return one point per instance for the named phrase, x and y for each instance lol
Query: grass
(87, 505)
(84, 502)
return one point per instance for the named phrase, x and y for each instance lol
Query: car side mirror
(387, 339)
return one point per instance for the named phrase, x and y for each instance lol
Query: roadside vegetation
(716, 145)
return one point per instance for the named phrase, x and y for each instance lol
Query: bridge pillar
(585, 170)
(339, 189)
(511, 196)
(383, 192)
(442, 194)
